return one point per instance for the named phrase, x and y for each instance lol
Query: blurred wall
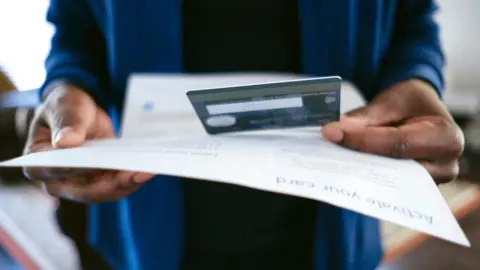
(460, 21)
(25, 41)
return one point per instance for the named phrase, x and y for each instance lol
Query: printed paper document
(296, 162)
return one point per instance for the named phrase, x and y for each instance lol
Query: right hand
(67, 118)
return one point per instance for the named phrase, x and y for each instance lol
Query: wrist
(416, 88)
(58, 88)
(52, 87)
(423, 96)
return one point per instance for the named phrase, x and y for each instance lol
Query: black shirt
(230, 227)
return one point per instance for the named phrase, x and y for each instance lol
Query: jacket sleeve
(415, 49)
(77, 53)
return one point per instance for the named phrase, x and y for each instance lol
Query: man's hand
(407, 120)
(67, 118)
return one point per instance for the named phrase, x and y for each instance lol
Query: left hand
(408, 121)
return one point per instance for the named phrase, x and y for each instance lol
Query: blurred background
(30, 236)
(26, 38)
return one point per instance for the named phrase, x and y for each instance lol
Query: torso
(228, 225)
(344, 37)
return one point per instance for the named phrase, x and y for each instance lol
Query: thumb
(68, 136)
(69, 124)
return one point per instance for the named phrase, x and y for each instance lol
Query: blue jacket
(97, 44)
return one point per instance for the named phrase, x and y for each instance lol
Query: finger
(69, 116)
(126, 178)
(103, 187)
(442, 172)
(336, 131)
(57, 173)
(38, 140)
(63, 189)
(375, 114)
(417, 140)
(38, 137)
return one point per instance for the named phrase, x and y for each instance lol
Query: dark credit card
(298, 103)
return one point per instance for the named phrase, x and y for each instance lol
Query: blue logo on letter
(148, 106)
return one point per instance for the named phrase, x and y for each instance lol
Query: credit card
(298, 103)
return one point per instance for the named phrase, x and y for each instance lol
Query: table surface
(435, 254)
(462, 198)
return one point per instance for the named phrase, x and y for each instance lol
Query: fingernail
(333, 132)
(335, 124)
(62, 134)
(142, 178)
(125, 177)
(331, 124)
